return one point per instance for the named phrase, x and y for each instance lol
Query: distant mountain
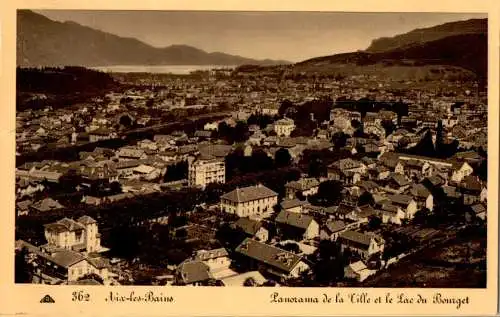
(44, 42)
(420, 36)
(464, 46)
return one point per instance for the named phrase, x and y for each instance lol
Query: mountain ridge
(44, 42)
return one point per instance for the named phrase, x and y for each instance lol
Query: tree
(282, 158)
(291, 247)
(125, 121)
(330, 265)
(355, 124)
(240, 133)
(422, 217)
(22, 270)
(388, 126)
(329, 193)
(92, 276)
(285, 105)
(339, 139)
(249, 281)
(374, 222)
(366, 198)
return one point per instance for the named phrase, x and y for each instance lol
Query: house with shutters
(81, 235)
(192, 273)
(297, 226)
(333, 228)
(253, 228)
(217, 260)
(422, 196)
(396, 183)
(293, 205)
(364, 244)
(304, 186)
(284, 265)
(61, 266)
(249, 201)
(404, 202)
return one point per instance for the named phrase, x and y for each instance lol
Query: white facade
(284, 127)
(203, 172)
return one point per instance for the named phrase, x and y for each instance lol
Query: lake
(158, 69)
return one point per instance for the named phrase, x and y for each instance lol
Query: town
(253, 176)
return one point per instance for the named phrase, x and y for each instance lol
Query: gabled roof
(399, 179)
(249, 193)
(270, 255)
(294, 219)
(47, 204)
(249, 226)
(419, 190)
(203, 255)
(193, 271)
(366, 211)
(344, 209)
(400, 199)
(357, 266)
(335, 225)
(478, 208)
(303, 184)
(66, 258)
(292, 203)
(356, 237)
(86, 220)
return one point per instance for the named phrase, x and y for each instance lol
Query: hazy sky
(292, 36)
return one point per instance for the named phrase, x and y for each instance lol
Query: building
(304, 186)
(270, 259)
(204, 171)
(217, 261)
(193, 273)
(253, 228)
(357, 271)
(297, 226)
(270, 110)
(80, 235)
(364, 244)
(61, 266)
(249, 201)
(284, 127)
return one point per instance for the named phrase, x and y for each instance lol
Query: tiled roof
(47, 204)
(357, 266)
(275, 257)
(303, 184)
(193, 271)
(292, 203)
(86, 220)
(400, 199)
(419, 190)
(344, 209)
(249, 226)
(335, 225)
(357, 237)
(66, 258)
(249, 193)
(203, 255)
(399, 179)
(294, 219)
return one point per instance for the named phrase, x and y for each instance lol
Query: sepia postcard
(253, 159)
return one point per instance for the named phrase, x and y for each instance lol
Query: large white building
(249, 201)
(80, 235)
(284, 127)
(205, 171)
